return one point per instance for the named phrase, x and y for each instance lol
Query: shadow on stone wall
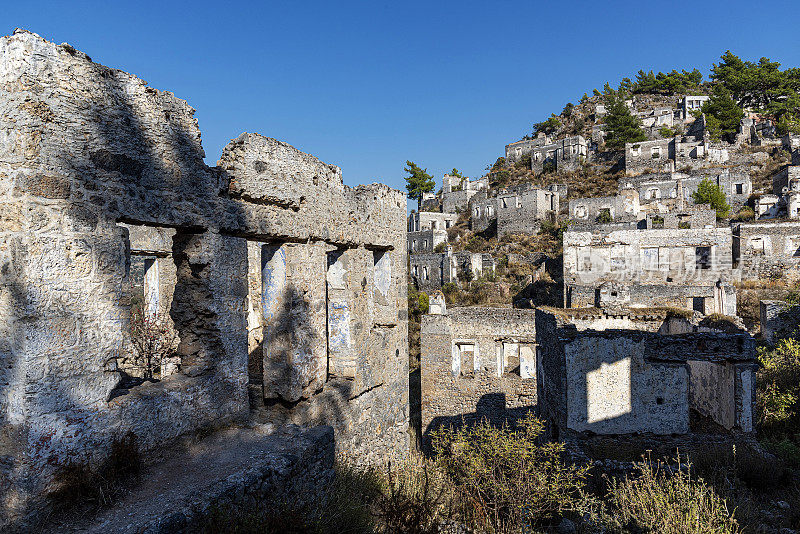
(491, 408)
(64, 291)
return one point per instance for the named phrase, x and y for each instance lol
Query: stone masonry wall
(605, 380)
(84, 148)
(768, 250)
(498, 382)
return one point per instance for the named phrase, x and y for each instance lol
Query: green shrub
(666, 131)
(604, 217)
(449, 288)
(505, 479)
(667, 502)
(423, 303)
(709, 192)
(441, 247)
(779, 386)
(476, 244)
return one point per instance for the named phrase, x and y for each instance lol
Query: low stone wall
(260, 468)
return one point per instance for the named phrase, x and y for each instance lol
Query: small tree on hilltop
(418, 182)
(723, 115)
(550, 126)
(710, 193)
(621, 126)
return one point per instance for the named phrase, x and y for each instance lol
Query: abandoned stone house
(785, 198)
(586, 371)
(285, 288)
(622, 209)
(430, 271)
(565, 154)
(657, 117)
(518, 150)
(660, 192)
(425, 241)
(427, 229)
(641, 371)
(457, 192)
(517, 210)
(692, 103)
(767, 250)
(674, 153)
(683, 268)
(476, 363)
(426, 220)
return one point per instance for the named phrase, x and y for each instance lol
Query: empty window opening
(341, 357)
(699, 304)
(739, 189)
(150, 350)
(703, 257)
(382, 297)
(511, 358)
(503, 203)
(466, 359)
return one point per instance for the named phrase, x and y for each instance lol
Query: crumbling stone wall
(498, 379)
(431, 271)
(767, 250)
(522, 210)
(778, 319)
(84, 149)
(686, 268)
(603, 380)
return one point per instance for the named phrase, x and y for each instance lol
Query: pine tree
(621, 126)
(418, 182)
(710, 193)
(723, 115)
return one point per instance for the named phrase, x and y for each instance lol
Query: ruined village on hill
(262, 306)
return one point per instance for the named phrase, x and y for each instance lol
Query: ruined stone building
(661, 192)
(476, 363)
(683, 268)
(286, 289)
(457, 192)
(692, 103)
(641, 372)
(565, 154)
(517, 210)
(428, 229)
(673, 153)
(779, 319)
(520, 149)
(431, 271)
(767, 250)
(622, 209)
(785, 198)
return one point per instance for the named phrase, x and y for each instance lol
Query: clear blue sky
(367, 85)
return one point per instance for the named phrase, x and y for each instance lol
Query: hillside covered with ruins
(600, 334)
